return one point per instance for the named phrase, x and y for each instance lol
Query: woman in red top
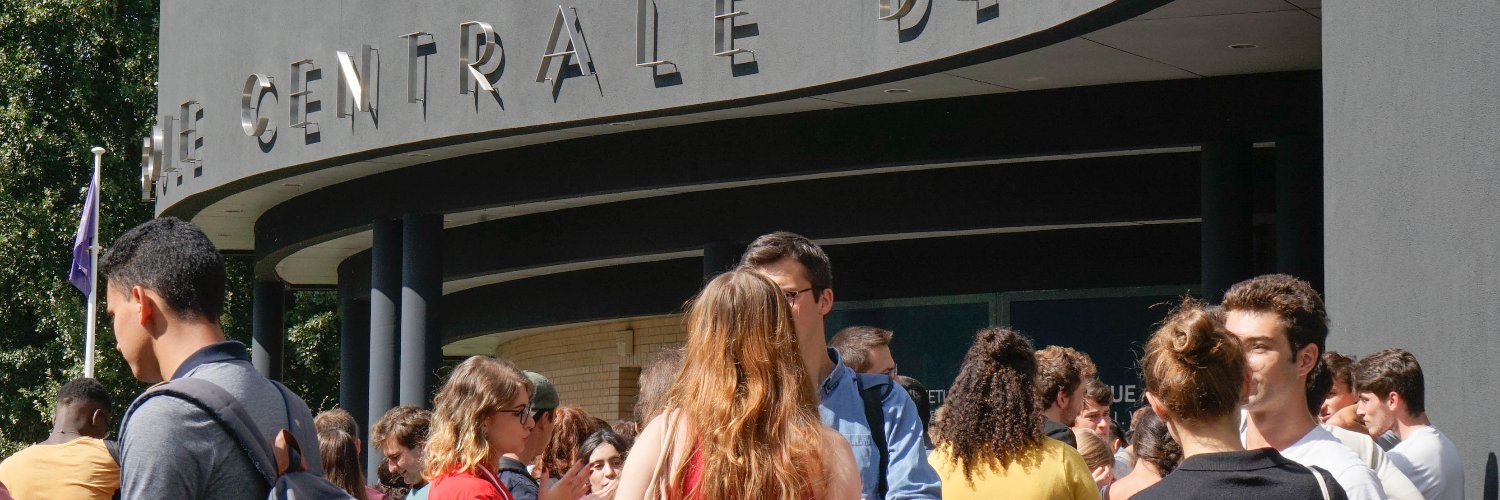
(741, 419)
(483, 411)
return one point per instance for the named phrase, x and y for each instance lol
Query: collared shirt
(908, 474)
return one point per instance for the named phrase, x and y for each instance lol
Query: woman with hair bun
(741, 419)
(1196, 378)
(989, 442)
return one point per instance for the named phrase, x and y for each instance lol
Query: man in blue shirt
(803, 272)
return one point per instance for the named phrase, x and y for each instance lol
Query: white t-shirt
(1320, 448)
(1432, 463)
(1392, 480)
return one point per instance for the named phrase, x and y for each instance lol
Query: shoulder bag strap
(875, 417)
(224, 408)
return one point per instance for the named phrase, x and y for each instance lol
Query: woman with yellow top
(990, 442)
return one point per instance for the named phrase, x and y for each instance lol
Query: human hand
(1103, 476)
(572, 485)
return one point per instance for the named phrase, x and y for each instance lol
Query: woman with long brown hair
(571, 425)
(1196, 379)
(742, 417)
(482, 412)
(989, 443)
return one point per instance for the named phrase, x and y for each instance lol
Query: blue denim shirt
(908, 475)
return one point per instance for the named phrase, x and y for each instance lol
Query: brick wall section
(585, 364)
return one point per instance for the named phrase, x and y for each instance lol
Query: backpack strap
(221, 406)
(1324, 480)
(873, 394)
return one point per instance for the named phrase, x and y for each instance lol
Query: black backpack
(294, 483)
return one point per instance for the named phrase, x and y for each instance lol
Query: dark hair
(991, 418)
(773, 247)
(1193, 366)
(600, 438)
(854, 344)
(81, 390)
(1152, 442)
(406, 424)
(1392, 370)
(1319, 382)
(173, 258)
(654, 383)
(1099, 392)
(1341, 367)
(1060, 369)
(341, 461)
(918, 393)
(1293, 300)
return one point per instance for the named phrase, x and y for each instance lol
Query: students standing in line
(481, 412)
(989, 441)
(742, 418)
(1195, 375)
(1392, 398)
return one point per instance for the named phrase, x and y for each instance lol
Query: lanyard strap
(490, 476)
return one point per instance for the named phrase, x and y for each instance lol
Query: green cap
(543, 396)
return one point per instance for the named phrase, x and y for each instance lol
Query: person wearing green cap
(515, 472)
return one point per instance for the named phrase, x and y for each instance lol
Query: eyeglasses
(521, 413)
(792, 296)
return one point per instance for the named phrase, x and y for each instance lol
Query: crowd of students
(1243, 401)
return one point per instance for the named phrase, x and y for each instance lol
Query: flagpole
(88, 356)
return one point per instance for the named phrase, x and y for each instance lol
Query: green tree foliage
(73, 75)
(76, 74)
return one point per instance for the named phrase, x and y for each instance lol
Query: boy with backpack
(211, 429)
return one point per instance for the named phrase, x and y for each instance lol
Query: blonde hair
(748, 396)
(1091, 446)
(456, 440)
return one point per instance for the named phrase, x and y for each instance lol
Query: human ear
(825, 302)
(1307, 359)
(146, 304)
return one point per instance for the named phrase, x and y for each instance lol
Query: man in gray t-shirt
(165, 293)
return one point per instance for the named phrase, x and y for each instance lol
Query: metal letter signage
(646, 30)
(724, 29)
(300, 92)
(413, 51)
(566, 19)
(148, 172)
(188, 141)
(889, 12)
(256, 87)
(354, 85)
(470, 71)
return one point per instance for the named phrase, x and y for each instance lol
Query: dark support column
(354, 361)
(1299, 208)
(268, 328)
(1228, 253)
(385, 302)
(421, 290)
(720, 256)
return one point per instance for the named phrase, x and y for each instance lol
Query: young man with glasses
(803, 272)
(866, 349)
(515, 470)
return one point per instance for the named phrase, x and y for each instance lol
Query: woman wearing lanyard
(483, 411)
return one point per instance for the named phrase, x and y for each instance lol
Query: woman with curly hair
(989, 443)
(1196, 378)
(741, 419)
(570, 426)
(482, 412)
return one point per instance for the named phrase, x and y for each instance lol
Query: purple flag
(83, 266)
